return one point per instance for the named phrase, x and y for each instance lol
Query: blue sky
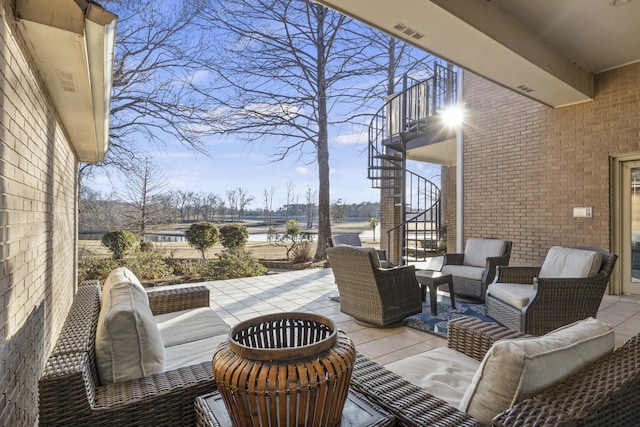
(233, 163)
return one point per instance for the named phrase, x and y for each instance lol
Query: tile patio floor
(310, 290)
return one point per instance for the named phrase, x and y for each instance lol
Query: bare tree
(160, 89)
(291, 191)
(268, 204)
(143, 187)
(288, 65)
(312, 199)
(244, 200)
(282, 62)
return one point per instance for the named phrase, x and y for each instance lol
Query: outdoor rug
(427, 322)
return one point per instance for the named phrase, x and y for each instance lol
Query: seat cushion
(516, 369)
(570, 263)
(192, 353)
(477, 251)
(128, 342)
(443, 372)
(185, 326)
(466, 271)
(514, 294)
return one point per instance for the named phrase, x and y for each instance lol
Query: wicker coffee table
(358, 412)
(433, 280)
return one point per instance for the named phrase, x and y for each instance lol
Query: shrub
(233, 265)
(146, 246)
(234, 236)
(119, 242)
(94, 268)
(202, 236)
(290, 238)
(148, 265)
(302, 252)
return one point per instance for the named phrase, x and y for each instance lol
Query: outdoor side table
(433, 280)
(358, 412)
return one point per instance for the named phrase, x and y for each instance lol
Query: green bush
(232, 265)
(94, 268)
(234, 236)
(202, 236)
(146, 246)
(148, 265)
(119, 242)
(187, 267)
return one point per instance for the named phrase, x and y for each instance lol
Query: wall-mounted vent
(525, 88)
(408, 31)
(67, 81)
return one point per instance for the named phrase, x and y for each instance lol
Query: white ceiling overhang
(72, 42)
(481, 38)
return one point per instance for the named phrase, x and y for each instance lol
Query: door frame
(617, 221)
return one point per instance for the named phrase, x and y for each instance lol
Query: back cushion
(128, 342)
(516, 369)
(476, 251)
(570, 263)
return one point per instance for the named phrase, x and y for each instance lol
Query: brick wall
(527, 165)
(37, 227)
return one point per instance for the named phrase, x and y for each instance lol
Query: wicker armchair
(353, 239)
(70, 392)
(545, 304)
(474, 269)
(372, 294)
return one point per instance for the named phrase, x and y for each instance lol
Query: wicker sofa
(597, 395)
(70, 390)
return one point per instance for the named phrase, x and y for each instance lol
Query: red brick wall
(527, 165)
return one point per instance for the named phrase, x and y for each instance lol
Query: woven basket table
(285, 369)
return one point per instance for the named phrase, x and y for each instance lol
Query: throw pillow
(516, 369)
(476, 251)
(128, 342)
(570, 263)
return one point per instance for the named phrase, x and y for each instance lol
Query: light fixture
(453, 116)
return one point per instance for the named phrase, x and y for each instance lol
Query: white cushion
(514, 294)
(466, 271)
(443, 372)
(516, 369)
(192, 353)
(570, 263)
(476, 251)
(128, 343)
(185, 326)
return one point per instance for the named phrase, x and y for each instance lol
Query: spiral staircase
(408, 119)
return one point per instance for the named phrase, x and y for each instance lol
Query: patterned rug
(427, 322)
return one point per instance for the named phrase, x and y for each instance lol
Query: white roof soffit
(72, 42)
(481, 38)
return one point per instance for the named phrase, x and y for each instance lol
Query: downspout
(459, 170)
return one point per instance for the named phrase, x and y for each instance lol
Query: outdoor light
(453, 116)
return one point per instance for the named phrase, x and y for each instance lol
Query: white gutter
(72, 44)
(460, 170)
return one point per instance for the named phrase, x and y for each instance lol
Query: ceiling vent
(525, 89)
(408, 31)
(66, 80)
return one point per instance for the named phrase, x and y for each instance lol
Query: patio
(310, 291)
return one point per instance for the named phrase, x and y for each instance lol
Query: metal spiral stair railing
(419, 199)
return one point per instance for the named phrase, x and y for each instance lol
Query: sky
(233, 163)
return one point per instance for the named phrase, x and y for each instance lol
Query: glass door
(631, 228)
